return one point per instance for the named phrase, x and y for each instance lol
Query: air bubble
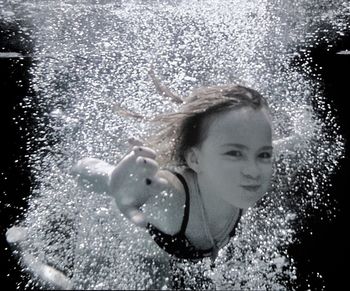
(90, 57)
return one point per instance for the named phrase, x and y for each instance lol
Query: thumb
(160, 184)
(136, 217)
(157, 184)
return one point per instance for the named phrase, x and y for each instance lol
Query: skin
(234, 162)
(236, 153)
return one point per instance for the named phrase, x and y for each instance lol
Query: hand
(134, 180)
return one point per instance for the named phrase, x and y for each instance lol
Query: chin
(242, 204)
(245, 206)
(243, 200)
(247, 203)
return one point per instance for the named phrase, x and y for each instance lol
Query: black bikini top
(178, 245)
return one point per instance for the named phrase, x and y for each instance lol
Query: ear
(192, 160)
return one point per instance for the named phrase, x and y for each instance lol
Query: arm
(134, 182)
(94, 171)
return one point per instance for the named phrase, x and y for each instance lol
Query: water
(91, 57)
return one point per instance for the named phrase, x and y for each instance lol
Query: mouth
(251, 188)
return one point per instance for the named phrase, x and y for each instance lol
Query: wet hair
(189, 126)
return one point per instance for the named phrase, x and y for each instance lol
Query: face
(234, 162)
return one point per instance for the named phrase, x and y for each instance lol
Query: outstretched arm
(95, 171)
(135, 181)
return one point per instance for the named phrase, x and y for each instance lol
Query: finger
(135, 152)
(146, 167)
(144, 152)
(134, 142)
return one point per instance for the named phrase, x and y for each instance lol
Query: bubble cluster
(92, 56)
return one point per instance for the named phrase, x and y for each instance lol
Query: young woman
(216, 155)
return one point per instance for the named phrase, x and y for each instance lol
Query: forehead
(244, 125)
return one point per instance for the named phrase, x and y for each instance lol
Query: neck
(218, 210)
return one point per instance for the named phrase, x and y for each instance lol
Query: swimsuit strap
(187, 203)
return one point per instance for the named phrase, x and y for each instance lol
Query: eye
(234, 153)
(265, 155)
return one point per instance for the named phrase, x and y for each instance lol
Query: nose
(251, 170)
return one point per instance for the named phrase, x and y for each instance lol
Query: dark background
(325, 251)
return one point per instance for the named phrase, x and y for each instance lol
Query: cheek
(268, 169)
(230, 174)
(223, 173)
(266, 172)
(228, 168)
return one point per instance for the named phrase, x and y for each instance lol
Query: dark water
(325, 250)
(321, 247)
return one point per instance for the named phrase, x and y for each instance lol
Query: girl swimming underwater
(217, 162)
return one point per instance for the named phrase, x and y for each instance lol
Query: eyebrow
(244, 147)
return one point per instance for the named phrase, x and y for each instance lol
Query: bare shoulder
(166, 208)
(174, 182)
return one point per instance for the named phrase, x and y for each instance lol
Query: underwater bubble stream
(93, 56)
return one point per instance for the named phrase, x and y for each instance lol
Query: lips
(251, 188)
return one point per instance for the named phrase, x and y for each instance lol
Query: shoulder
(168, 206)
(174, 182)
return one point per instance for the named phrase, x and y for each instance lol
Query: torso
(195, 231)
(198, 232)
